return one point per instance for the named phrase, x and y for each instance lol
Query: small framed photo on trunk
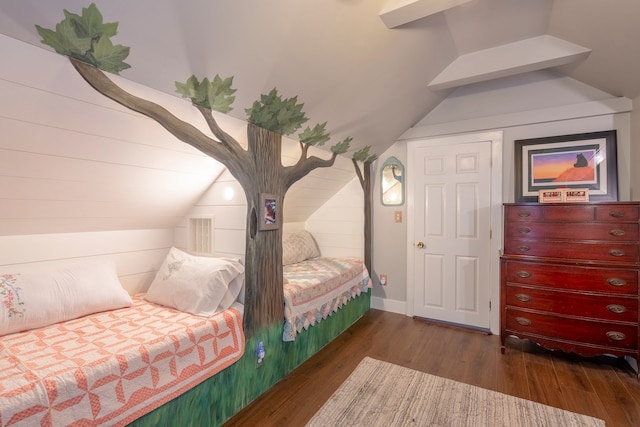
(269, 217)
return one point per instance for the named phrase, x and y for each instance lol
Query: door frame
(496, 138)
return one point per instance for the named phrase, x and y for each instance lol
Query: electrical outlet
(397, 216)
(260, 354)
(383, 279)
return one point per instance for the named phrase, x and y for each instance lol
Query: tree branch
(359, 173)
(225, 139)
(304, 149)
(179, 128)
(291, 174)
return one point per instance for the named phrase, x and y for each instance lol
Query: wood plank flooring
(603, 387)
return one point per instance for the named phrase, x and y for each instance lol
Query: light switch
(397, 216)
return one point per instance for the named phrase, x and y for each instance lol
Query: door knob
(420, 245)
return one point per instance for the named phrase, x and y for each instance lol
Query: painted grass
(217, 399)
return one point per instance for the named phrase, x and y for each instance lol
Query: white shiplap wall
(229, 217)
(82, 177)
(304, 198)
(137, 254)
(71, 160)
(338, 226)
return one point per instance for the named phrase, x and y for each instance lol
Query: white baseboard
(385, 304)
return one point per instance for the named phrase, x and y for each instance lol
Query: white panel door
(452, 225)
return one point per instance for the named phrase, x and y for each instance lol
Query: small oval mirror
(392, 182)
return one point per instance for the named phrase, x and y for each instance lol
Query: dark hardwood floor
(603, 387)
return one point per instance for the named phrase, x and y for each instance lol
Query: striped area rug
(383, 394)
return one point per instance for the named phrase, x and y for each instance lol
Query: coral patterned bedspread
(113, 367)
(317, 287)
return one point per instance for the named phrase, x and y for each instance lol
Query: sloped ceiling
(367, 80)
(371, 68)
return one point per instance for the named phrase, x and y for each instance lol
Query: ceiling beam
(532, 54)
(400, 12)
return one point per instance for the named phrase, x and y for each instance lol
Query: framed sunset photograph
(586, 160)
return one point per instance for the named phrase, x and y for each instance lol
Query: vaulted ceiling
(370, 68)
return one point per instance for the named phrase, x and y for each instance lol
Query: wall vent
(200, 231)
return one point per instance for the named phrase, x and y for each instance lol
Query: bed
(173, 354)
(111, 366)
(316, 286)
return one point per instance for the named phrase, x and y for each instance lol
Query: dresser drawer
(570, 329)
(604, 307)
(617, 213)
(573, 212)
(600, 251)
(569, 212)
(591, 279)
(522, 213)
(563, 212)
(574, 231)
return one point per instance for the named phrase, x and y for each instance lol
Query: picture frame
(583, 160)
(270, 215)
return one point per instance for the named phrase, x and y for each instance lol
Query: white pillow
(298, 246)
(33, 300)
(198, 285)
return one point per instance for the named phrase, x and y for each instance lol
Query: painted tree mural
(86, 40)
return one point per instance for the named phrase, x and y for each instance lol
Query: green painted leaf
(87, 38)
(53, 39)
(64, 40)
(77, 44)
(188, 89)
(221, 94)
(93, 22)
(343, 146)
(278, 115)
(75, 21)
(201, 94)
(363, 155)
(214, 95)
(109, 57)
(316, 136)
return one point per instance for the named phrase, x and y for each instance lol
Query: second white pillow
(198, 285)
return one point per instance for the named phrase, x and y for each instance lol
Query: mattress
(317, 287)
(112, 367)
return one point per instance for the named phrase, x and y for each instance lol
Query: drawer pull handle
(616, 252)
(526, 322)
(523, 248)
(616, 336)
(616, 282)
(617, 232)
(616, 214)
(524, 214)
(523, 274)
(616, 308)
(524, 230)
(525, 298)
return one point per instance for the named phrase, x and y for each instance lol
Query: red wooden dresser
(569, 276)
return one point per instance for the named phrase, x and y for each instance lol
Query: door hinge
(489, 305)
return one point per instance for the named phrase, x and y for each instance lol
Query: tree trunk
(365, 183)
(259, 170)
(368, 218)
(264, 299)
